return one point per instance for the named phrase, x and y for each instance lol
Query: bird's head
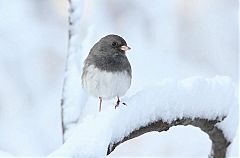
(112, 45)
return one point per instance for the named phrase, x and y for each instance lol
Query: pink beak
(125, 48)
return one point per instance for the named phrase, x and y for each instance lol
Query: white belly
(104, 84)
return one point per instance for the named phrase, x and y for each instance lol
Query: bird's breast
(100, 83)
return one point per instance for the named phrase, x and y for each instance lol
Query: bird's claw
(117, 104)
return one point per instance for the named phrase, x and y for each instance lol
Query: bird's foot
(100, 104)
(117, 104)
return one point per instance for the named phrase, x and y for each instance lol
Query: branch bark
(219, 142)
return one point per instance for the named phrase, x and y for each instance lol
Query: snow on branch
(210, 104)
(219, 142)
(73, 97)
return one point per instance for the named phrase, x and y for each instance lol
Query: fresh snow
(192, 97)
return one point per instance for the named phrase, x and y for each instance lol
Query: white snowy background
(169, 39)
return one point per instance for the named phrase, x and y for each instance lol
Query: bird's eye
(114, 44)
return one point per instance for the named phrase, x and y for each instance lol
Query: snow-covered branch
(72, 94)
(195, 101)
(219, 142)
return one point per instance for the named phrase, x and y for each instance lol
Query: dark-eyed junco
(107, 72)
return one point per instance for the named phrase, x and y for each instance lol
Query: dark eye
(114, 44)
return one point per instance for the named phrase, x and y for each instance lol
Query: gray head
(110, 45)
(109, 54)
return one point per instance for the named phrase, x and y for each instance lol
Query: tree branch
(219, 142)
(71, 91)
(66, 69)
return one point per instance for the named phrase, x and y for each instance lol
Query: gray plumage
(107, 72)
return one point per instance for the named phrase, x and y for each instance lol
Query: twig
(66, 69)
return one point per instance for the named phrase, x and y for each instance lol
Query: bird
(107, 72)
